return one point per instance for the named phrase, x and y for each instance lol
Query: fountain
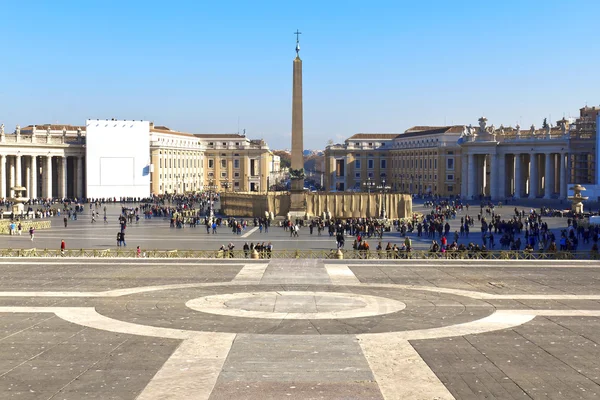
(18, 200)
(577, 198)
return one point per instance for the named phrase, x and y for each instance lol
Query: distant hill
(313, 159)
(285, 157)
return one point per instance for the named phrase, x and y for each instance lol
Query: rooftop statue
(518, 133)
(532, 130)
(17, 129)
(2, 129)
(48, 130)
(548, 129)
(482, 125)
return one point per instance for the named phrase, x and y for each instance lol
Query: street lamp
(369, 183)
(384, 189)
(211, 187)
(226, 185)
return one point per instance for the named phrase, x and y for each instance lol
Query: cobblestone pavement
(299, 329)
(156, 234)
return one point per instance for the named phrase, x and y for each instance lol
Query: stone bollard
(254, 254)
(339, 255)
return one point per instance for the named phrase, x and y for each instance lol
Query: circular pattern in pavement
(296, 305)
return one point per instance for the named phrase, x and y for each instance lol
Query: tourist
(20, 228)
(138, 252)
(65, 220)
(246, 250)
(31, 233)
(119, 239)
(63, 247)
(123, 239)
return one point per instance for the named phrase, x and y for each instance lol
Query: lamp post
(384, 189)
(226, 185)
(369, 183)
(211, 188)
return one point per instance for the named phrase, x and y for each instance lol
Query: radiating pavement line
(341, 274)
(192, 370)
(251, 274)
(400, 371)
(250, 232)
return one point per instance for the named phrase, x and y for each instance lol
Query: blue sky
(379, 66)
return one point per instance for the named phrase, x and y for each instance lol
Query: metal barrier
(305, 253)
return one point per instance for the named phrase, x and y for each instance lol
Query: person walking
(63, 247)
(119, 239)
(123, 239)
(31, 233)
(65, 220)
(138, 252)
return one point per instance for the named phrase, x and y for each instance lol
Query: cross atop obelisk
(297, 167)
(297, 33)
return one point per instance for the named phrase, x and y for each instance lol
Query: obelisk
(297, 203)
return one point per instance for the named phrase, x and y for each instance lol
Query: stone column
(11, 176)
(79, 174)
(563, 177)
(548, 177)
(533, 176)
(464, 172)
(27, 183)
(48, 177)
(3, 176)
(471, 176)
(34, 173)
(62, 179)
(517, 169)
(501, 177)
(18, 170)
(493, 183)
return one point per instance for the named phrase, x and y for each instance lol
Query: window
(236, 184)
(211, 163)
(357, 164)
(223, 174)
(383, 164)
(421, 163)
(223, 163)
(236, 163)
(450, 177)
(450, 188)
(435, 163)
(211, 174)
(357, 175)
(371, 175)
(370, 163)
(430, 163)
(450, 163)
(236, 174)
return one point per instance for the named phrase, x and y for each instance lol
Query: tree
(545, 123)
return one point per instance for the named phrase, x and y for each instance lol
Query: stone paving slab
(468, 331)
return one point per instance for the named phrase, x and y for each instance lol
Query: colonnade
(49, 176)
(518, 174)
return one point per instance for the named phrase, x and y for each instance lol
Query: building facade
(473, 163)
(360, 164)
(422, 160)
(50, 161)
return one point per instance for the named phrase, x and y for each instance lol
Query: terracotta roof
(53, 127)
(432, 130)
(159, 129)
(420, 128)
(220, 135)
(385, 136)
